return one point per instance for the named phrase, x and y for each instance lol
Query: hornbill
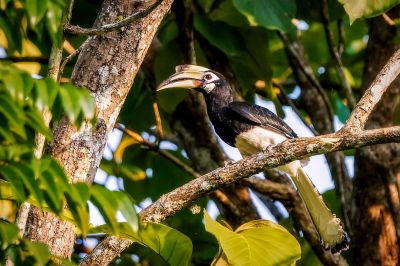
(251, 129)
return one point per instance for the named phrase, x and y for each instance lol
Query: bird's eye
(208, 77)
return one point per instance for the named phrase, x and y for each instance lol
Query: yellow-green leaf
(366, 8)
(258, 242)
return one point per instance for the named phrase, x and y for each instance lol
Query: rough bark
(376, 207)
(107, 67)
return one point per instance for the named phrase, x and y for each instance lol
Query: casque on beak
(186, 76)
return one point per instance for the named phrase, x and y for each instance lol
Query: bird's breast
(256, 140)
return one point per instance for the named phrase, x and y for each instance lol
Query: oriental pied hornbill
(251, 129)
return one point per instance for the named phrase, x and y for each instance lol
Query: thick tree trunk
(107, 67)
(376, 207)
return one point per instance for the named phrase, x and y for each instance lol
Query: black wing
(261, 116)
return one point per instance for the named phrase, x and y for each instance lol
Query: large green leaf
(258, 242)
(270, 14)
(220, 34)
(170, 244)
(367, 8)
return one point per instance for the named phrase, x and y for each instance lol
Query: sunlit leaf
(367, 8)
(258, 242)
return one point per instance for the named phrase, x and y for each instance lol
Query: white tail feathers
(327, 224)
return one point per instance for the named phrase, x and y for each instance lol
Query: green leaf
(125, 206)
(173, 246)
(30, 181)
(53, 21)
(258, 242)
(109, 202)
(367, 8)
(70, 101)
(274, 15)
(36, 10)
(87, 104)
(14, 152)
(221, 35)
(15, 180)
(8, 234)
(77, 196)
(14, 115)
(6, 191)
(52, 91)
(34, 120)
(228, 13)
(13, 34)
(40, 252)
(40, 94)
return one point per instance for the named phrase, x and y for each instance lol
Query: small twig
(76, 30)
(167, 155)
(341, 38)
(306, 69)
(293, 106)
(65, 61)
(160, 132)
(373, 94)
(336, 55)
(388, 20)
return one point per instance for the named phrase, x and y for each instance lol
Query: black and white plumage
(251, 129)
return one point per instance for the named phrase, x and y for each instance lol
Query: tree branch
(76, 30)
(373, 94)
(273, 156)
(290, 150)
(336, 55)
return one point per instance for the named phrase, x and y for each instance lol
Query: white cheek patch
(209, 87)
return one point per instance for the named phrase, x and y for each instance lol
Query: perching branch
(283, 153)
(76, 30)
(334, 51)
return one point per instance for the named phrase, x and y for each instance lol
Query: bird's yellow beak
(186, 76)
